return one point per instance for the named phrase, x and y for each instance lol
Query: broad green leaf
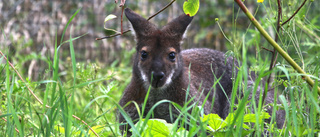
(181, 132)
(245, 126)
(59, 128)
(155, 128)
(224, 133)
(62, 130)
(246, 132)
(98, 129)
(214, 121)
(307, 131)
(191, 7)
(158, 127)
(229, 119)
(252, 117)
(109, 17)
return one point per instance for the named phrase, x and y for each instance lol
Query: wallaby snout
(157, 78)
(157, 70)
(157, 73)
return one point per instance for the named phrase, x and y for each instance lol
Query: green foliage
(110, 17)
(160, 128)
(217, 124)
(191, 7)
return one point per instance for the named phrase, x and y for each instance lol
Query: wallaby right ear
(141, 26)
(178, 26)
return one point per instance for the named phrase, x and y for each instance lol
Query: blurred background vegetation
(29, 29)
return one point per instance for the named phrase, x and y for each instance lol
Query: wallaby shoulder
(207, 65)
(202, 58)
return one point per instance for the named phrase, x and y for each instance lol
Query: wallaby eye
(144, 55)
(172, 56)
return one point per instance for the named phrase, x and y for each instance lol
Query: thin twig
(122, 19)
(85, 124)
(278, 32)
(274, 52)
(14, 128)
(110, 36)
(294, 13)
(267, 49)
(161, 9)
(35, 96)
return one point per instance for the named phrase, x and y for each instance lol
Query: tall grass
(58, 113)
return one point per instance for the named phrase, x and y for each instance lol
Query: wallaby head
(158, 60)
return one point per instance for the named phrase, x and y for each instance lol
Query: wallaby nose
(158, 75)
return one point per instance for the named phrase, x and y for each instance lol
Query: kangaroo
(161, 64)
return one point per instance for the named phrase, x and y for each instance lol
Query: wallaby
(160, 63)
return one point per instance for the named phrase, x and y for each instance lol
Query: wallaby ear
(178, 26)
(141, 26)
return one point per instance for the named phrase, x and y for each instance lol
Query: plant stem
(275, 45)
(304, 2)
(274, 53)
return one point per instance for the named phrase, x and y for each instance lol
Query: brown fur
(158, 44)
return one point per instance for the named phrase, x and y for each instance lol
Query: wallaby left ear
(178, 26)
(141, 26)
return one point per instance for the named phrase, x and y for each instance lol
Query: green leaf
(181, 132)
(98, 129)
(224, 133)
(252, 117)
(191, 7)
(109, 17)
(158, 127)
(214, 121)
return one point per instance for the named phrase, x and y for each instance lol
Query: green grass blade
(10, 106)
(55, 68)
(10, 125)
(151, 111)
(5, 115)
(286, 108)
(294, 112)
(74, 69)
(65, 29)
(72, 39)
(87, 83)
(128, 119)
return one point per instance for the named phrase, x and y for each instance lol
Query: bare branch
(14, 128)
(123, 32)
(294, 13)
(267, 49)
(274, 52)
